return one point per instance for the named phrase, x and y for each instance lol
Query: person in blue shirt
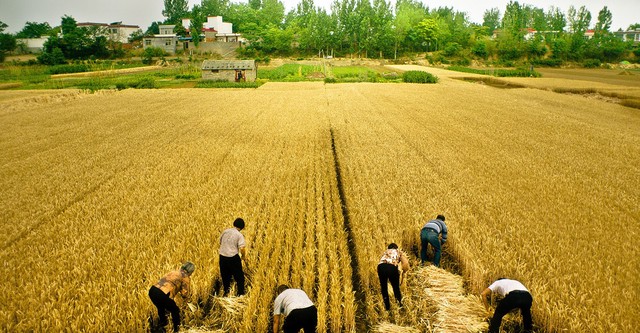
(430, 234)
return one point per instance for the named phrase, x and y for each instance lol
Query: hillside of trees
(380, 29)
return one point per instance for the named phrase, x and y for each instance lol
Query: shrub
(189, 76)
(591, 63)
(480, 50)
(520, 72)
(330, 80)
(451, 49)
(71, 68)
(151, 52)
(419, 77)
(463, 61)
(547, 62)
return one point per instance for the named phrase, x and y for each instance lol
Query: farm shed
(229, 70)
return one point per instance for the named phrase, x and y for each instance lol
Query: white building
(116, 32)
(215, 30)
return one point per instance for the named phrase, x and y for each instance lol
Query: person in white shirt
(389, 271)
(298, 310)
(232, 245)
(515, 296)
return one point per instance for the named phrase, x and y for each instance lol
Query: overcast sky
(15, 13)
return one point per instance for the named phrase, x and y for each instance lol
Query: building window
(114, 30)
(215, 71)
(147, 42)
(167, 43)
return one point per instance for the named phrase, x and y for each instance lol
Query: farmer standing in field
(430, 234)
(232, 244)
(298, 310)
(163, 292)
(515, 295)
(389, 271)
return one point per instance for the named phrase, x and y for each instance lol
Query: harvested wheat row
(456, 311)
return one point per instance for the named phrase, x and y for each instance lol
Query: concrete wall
(169, 43)
(229, 75)
(226, 50)
(33, 45)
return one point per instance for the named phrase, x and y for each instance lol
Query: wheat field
(102, 193)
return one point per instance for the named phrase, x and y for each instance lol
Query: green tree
(633, 26)
(180, 30)
(579, 20)
(153, 29)
(175, 10)
(271, 13)
(408, 14)
(604, 22)
(7, 41)
(539, 20)
(428, 32)
(34, 30)
(382, 33)
(136, 36)
(197, 21)
(214, 7)
(76, 43)
(556, 20)
(491, 19)
(514, 20)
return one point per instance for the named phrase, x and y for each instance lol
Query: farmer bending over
(298, 310)
(516, 296)
(163, 292)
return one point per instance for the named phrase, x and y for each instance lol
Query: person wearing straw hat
(430, 234)
(515, 296)
(163, 293)
(298, 310)
(389, 271)
(232, 245)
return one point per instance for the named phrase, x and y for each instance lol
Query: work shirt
(390, 256)
(505, 286)
(289, 300)
(439, 227)
(231, 241)
(174, 282)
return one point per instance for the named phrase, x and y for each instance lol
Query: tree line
(378, 29)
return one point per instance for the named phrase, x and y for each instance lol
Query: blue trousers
(430, 236)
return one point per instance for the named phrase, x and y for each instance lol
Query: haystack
(456, 311)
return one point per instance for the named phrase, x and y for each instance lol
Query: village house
(216, 36)
(629, 35)
(166, 39)
(229, 70)
(115, 32)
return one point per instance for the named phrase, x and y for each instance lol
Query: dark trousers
(389, 272)
(306, 319)
(164, 303)
(519, 299)
(430, 236)
(232, 267)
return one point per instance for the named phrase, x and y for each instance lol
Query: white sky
(15, 13)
